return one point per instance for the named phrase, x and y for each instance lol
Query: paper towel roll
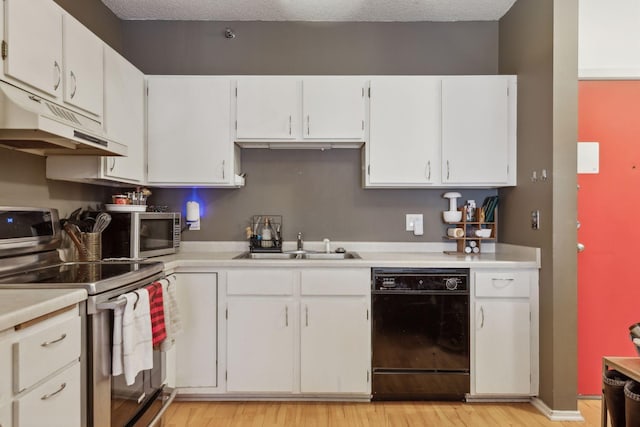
(193, 211)
(455, 232)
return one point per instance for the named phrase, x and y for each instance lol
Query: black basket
(256, 243)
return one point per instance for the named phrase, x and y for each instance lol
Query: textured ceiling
(311, 10)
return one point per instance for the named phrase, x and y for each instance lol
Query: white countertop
(21, 305)
(219, 256)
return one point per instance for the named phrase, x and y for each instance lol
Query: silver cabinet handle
(56, 66)
(113, 164)
(308, 126)
(289, 124)
(286, 316)
(482, 318)
(223, 164)
(75, 84)
(429, 170)
(447, 169)
(48, 343)
(50, 395)
(306, 315)
(580, 247)
(504, 280)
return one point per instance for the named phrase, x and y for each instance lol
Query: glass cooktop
(95, 277)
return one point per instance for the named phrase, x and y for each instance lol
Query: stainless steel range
(29, 242)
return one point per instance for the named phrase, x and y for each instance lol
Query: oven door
(112, 403)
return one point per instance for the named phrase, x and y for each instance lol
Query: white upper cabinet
(83, 66)
(48, 51)
(124, 116)
(189, 131)
(403, 148)
(292, 108)
(123, 121)
(267, 108)
(333, 107)
(476, 130)
(33, 37)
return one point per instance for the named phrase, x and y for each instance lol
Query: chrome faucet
(300, 242)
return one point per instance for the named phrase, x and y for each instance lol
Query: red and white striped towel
(156, 308)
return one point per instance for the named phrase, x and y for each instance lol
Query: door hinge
(5, 49)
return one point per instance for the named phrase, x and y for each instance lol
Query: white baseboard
(554, 415)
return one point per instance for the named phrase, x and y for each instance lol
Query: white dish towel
(172, 320)
(132, 347)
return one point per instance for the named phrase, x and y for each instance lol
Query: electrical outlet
(535, 219)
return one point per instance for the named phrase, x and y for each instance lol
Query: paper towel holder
(193, 215)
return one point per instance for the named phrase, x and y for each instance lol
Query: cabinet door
(335, 352)
(188, 134)
(333, 107)
(267, 108)
(124, 116)
(260, 344)
(475, 130)
(197, 346)
(83, 67)
(502, 347)
(33, 31)
(6, 416)
(404, 131)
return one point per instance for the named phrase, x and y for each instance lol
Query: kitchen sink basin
(298, 255)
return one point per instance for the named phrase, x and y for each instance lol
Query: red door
(609, 213)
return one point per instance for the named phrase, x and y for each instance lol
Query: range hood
(35, 125)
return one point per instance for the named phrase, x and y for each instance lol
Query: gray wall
(98, 18)
(196, 47)
(319, 193)
(538, 41)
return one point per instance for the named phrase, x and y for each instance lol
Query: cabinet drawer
(260, 282)
(45, 349)
(55, 403)
(336, 282)
(502, 284)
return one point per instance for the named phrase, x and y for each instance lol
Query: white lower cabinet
(334, 345)
(505, 335)
(43, 358)
(196, 348)
(260, 336)
(298, 331)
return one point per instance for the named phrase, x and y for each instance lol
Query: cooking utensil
(74, 233)
(102, 222)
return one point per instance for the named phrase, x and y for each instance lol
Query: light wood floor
(383, 414)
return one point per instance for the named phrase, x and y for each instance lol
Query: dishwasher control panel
(422, 280)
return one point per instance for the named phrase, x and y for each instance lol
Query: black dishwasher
(420, 333)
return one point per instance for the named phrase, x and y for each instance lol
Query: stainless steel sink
(298, 255)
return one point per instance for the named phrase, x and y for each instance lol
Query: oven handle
(159, 415)
(111, 305)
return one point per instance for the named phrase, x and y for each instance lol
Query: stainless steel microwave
(141, 234)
